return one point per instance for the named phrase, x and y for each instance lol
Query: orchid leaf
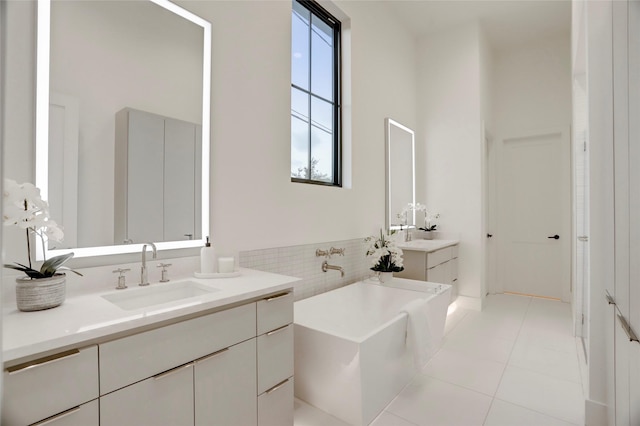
(71, 270)
(50, 266)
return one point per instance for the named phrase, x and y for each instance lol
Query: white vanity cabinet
(150, 376)
(61, 388)
(232, 367)
(275, 360)
(438, 266)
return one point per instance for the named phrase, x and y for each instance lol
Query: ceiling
(507, 23)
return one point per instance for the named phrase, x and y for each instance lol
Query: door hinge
(584, 146)
(582, 319)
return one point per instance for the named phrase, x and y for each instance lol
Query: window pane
(321, 155)
(322, 114)
(299, 104)
(321, 59)
(299, 148)
(300, 46)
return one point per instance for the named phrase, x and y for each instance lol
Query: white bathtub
(351, 358)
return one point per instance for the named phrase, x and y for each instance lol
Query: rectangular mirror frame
(42, 133)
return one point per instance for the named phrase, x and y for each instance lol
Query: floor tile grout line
(493, 398)
(535, 411)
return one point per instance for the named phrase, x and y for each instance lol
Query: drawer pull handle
(610, 299)
(627, 329)
(277, 330)
(277, 296)
(171, 372)
(213, 355)
(43, 361)
(57, 417)
(278, 386)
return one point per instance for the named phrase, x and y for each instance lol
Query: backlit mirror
(122, 124)
(400, 175)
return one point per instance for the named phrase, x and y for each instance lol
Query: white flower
(53, 231)
(384, 255)
(24, 207)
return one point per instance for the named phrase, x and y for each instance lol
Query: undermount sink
(157, 294)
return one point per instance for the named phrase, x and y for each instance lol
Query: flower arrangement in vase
(24, 208)
(386, 257)
(429, 218)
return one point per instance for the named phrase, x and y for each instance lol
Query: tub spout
(326, 267)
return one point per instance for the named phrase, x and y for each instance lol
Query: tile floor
(515, 363)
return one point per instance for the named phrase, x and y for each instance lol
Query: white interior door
(534, 211)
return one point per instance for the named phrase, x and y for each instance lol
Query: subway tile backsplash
(302, 262)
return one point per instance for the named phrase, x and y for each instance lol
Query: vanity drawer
(137, 357)
(454, 251)
(437, 257)
(275, 406)
(39, 389)
(275, 357)
(274, 312)
(84, 415)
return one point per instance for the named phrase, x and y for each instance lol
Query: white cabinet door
(225, 387)
(44, 387)
(145, 219)
(165, 399)
(275, 406)
(179, 179)
(85, 415)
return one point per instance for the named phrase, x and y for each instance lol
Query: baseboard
(467, 302)
(595, 413)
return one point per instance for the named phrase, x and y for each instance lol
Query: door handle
(555, 237)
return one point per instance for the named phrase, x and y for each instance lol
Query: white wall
(254, 204)
(449, 127)
(532, 87)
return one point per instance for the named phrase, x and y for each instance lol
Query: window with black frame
(315, 95)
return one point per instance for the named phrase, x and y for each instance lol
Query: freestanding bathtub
(351, 357)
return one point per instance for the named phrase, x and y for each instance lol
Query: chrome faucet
(326, 267)
(143, 271)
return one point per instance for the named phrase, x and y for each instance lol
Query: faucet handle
(164, 272)
(122, 283)
(339, 251)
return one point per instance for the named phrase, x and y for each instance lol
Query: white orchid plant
(385, 255)
(428, 216)
(25, 208)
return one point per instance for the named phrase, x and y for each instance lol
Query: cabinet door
(179, 179)
(275, 406)
(165, 399)
(145, 193)
(84, 415)
(225, 386)
(41, 388)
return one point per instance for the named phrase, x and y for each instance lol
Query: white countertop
(89, 317)
(426, 245)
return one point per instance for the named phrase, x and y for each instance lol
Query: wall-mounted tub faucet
(326, 267)
(144, 280)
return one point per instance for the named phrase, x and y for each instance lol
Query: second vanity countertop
(89, 318)
(426, 245)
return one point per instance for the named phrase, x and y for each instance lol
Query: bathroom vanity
(223, 357)
(431, 260)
